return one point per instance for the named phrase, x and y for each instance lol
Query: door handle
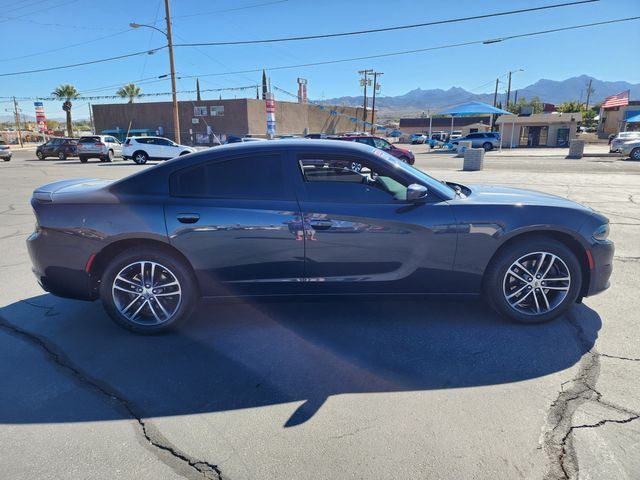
(188, 217)
(319, 225)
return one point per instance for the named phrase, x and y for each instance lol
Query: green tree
(571, 106)
(534, 103)
(67, 93)
(129, 91)
(588, 117)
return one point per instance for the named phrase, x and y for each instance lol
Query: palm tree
(67, 93)
(129, 91)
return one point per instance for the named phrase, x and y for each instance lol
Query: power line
(90, 62)
(31, 13)
(418, 50)
(385, 29)
(246, 7)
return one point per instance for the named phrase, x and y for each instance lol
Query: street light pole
(176, 116)
(167, 34)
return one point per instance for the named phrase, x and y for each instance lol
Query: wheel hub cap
(536, 283)
(146, 293)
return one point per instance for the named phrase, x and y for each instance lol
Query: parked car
(486, 140)
(5, 151)
(141, 149)
(377, 142)
(417, 138)
(58, 147)
(315, 217)
(104, 147)
(316, 136)
(631, 149)
(237, 139)
(620, 138)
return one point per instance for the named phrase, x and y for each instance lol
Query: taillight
(99, 144)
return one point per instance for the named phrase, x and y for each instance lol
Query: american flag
(617, 100)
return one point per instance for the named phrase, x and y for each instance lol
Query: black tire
(62, 156)
(40, 155)
(140, 157)
(403, 159)
(84, 159)
(184, 153)
(635, 154)
(497, 285)
(166, 263)
(7, 159)
(109, 157)
(487, 146)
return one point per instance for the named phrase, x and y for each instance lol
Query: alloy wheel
(146, 293)
(536, 283)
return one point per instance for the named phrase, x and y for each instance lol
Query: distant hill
(549, 91)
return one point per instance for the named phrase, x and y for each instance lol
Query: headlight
(601, 233)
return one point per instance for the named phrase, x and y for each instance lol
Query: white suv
(141, 149)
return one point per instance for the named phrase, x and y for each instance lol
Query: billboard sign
(40, 118)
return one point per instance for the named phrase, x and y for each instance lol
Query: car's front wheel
(533, 280)
(62, 156)
(635, 154)
(84, 159)
(148, 290)
(40, 155)
(487, 146)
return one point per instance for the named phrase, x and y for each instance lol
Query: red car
(400, 153)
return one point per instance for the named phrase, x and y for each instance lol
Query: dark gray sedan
(309, 217)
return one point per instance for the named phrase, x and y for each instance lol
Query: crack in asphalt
(198, 468)
(558, 441)
(620, 358)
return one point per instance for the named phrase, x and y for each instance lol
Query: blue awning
(635, 118)
(473, 108)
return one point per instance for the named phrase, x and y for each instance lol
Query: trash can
(462, 147)
(576, 148)
(473, 159)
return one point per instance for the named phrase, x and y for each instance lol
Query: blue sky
(99, 29)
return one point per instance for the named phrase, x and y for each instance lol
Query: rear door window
(259, 176)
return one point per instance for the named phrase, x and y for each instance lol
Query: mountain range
(549, 91)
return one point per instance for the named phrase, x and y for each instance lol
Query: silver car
(5, 151)
(104, 147)
(486, 140)
(621, 138)
(631, 149)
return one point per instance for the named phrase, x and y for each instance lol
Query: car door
(237, 221)
(362, 236)
(115, 145)
(151, 147)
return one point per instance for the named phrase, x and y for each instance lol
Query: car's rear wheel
(109, 157)
(533, 280)
(403, 159)
(140, 158)
(62, 156)
(148, 290)
(84, 159)
(635, 154)
(487, 146)
(40, 155)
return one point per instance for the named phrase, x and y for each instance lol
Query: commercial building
(464, 124)
(613, 120)
(201, 122)
(538, 129)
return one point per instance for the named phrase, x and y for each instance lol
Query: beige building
(538, 129)
(201, 120)
(612, 120)
(463, 124)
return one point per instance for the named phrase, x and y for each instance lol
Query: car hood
(73, 190)
(498, 195)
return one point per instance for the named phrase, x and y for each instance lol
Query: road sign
(40, 117)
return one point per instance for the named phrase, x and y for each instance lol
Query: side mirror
(416, 193)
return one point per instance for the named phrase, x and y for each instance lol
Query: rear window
(89, 140)
(128, 141)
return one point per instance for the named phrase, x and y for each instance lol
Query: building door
(533, 136)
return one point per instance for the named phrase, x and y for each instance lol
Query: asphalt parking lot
(333, 389)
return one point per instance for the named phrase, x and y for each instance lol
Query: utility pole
(589, 92)
(376, 87)
(363, 82)
(15, 110)
(176, 116)
(93, 128)
(508, 92)
(495, 102)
